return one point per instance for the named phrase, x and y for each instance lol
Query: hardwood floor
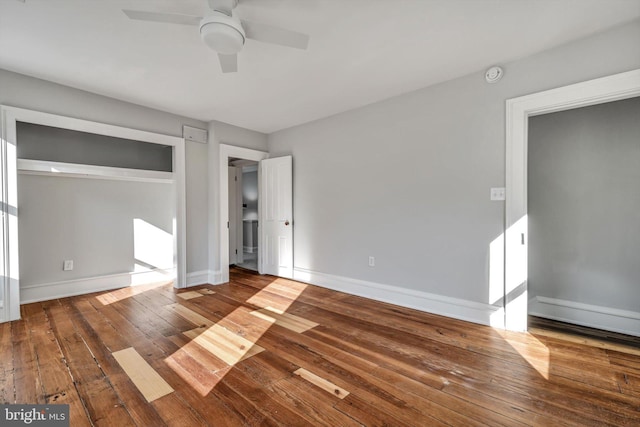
(266, 351)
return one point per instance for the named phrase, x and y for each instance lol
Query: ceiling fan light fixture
(222, 33)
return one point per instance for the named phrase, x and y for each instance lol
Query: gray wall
(89, 221)
(407, 179)
(584, 205)
(224, 133)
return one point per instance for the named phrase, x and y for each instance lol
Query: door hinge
(227, 224)
(522, 238)
(236, 177)
(236, 252)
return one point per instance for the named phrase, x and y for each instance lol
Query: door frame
(601, 90)
(9, 116)
(226, 152)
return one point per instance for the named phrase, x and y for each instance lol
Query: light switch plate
(498, 193)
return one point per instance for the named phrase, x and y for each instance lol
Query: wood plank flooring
(264, 351)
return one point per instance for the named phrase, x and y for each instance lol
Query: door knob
(286, 222)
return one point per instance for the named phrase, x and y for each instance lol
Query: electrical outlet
(372, 261)
(498, 193)
(68, 265)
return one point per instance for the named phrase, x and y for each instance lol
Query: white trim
(63, 122)
(48, 291)
(202, 277)
(180, 222)
(470, 311)
(9, 271)
(10, 116)
(588, 307)
(74, 170)
(215, 277)
(605, 89)
(594, 316)
(249, 249)
(227, 151)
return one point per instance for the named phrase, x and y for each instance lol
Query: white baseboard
(204, 277)
(250, 249)
(48, 291)
(593, 316)
(198, 278)
(215, 277)
(485, 314)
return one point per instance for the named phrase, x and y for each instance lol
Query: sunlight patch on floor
(533, 351)
(286, 320)
(224, 344)
(278, 296)
(129, 291)
(215, 347)
(189, 295)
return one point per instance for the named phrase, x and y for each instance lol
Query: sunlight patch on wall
(153, 247)
(496, 318)
(516, 275)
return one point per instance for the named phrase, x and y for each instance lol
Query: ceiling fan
(224, 33)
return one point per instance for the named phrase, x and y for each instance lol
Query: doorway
(238, 155)
(611, 88)
(243, 214)
(583, 172)
(275, 211)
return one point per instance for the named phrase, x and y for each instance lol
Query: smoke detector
(493, 74)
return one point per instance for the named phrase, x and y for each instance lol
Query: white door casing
(276, 218)
(222, 239)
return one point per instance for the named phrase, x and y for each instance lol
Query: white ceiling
(361, 51)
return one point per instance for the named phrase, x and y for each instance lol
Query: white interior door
(276, 223)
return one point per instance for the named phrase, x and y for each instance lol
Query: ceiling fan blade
(171, 18)
(275, 35)
(228, 63)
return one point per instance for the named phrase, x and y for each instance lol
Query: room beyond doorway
(243, 213)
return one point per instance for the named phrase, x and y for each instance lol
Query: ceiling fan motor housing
(222, 33)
